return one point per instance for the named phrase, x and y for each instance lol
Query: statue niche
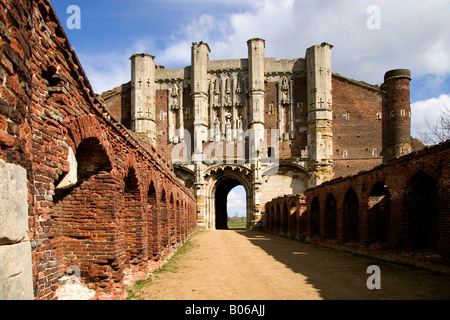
(175, 116)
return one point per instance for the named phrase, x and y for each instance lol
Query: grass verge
(135, 292)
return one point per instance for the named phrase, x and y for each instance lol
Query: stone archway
(220, 182)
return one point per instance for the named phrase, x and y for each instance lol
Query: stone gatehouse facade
(276, 127)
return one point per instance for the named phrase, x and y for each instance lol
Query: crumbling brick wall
(286, 215)
(404, 203)
(401, 204)
(109, 218)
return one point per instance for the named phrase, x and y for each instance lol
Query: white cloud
(236, 201)
(413, 35)
(107, 70)
(428, 110)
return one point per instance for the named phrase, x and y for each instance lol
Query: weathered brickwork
(100, 199)
(287, 216)
(404, 203)
(356, 107)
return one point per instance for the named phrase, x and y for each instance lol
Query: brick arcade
(96, 196)
(402, 204)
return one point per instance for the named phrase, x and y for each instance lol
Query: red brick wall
(110, 231)
(286, 216)
(416, 215)
(118, 97)
(356, 128)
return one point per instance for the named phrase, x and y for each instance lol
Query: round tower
(396, 114)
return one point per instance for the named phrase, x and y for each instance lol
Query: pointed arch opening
(330, 220)
(315, 217)
(351, 216)
(91, 159)
(293, 217)
(421, 203)
(132, 215)
(379, 213)
(285, 219)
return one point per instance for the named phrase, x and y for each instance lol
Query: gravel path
(243, 265)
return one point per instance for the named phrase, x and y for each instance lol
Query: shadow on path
(342, 275)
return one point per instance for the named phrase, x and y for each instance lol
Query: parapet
(397, 73)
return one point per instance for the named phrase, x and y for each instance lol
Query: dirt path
(242, 265)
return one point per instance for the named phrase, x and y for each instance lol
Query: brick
(83, 222)
(6, 139)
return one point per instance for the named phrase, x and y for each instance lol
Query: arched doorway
(379, 213)
(237, 208)
(330, 217)
(315, 218)
(221, 181)
(421, 203)
(221, 201)
(351, 216)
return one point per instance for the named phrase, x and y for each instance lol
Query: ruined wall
(98, 198)
(401, 204)
(402, 207)
(286, 215)
(16, 267)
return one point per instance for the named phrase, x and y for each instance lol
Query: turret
(143, 108)
(320, 115)
(199, 86)
(396, 114)
(256, 81)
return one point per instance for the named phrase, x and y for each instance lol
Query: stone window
(374, 153)
(378, 115)
(402, 113)
(345, 154)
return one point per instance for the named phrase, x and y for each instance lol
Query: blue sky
(411, 34)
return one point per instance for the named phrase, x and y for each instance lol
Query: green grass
(236, 225)
(135, 291)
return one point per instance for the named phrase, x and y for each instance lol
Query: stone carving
(285, 91)
(217, 134)
(228, 101)
(228, 132)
